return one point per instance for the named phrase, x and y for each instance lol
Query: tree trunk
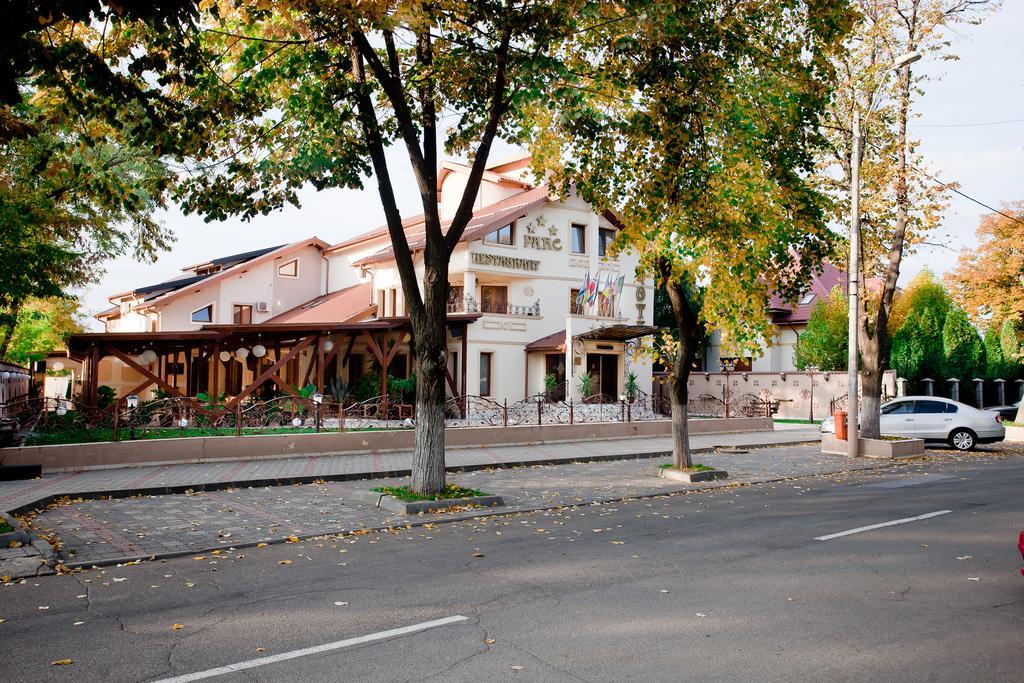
(431, 336)
(8, 322)
(872, 369)
(689, 333)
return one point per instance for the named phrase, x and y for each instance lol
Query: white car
(933, 418)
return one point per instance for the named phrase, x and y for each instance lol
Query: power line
(953, 189)
(965, 125)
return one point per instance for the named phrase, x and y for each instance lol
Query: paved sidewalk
(19, 496)
(126, 529)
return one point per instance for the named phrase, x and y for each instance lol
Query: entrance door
(554, 364)
(603, 369)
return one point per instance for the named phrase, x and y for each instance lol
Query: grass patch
(1011, 423)
(450, 491)
(695, 467)
(4, 526)
(796, 421)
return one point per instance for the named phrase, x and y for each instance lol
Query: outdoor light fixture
(296, 421)
(259, 350)
(318, 398)
(225, 356)
(133, 401)
(241, 353)
(183, 422)
(58, 366)
(328, 345)
(148, 356)
(62, 409)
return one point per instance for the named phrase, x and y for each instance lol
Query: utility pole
(853, 428)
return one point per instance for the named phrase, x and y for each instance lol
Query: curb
(45, 500)
(482, 513)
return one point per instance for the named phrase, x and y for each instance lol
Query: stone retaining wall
(74, 457)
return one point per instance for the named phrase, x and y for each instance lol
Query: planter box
(1014, 434)
(392, 504)
(875, 448)
(691, 476)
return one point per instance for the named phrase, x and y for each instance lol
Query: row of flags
(600, 298)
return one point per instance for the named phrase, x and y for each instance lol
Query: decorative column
(901, 387)
(1020, 389)
(929, 386)
(954, 388)
(1000, 391)
(979, 392)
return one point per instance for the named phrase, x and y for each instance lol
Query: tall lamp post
(852, 380)
(133, 402)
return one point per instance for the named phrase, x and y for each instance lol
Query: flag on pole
(618, 291)
(582, 294)
(592, 288)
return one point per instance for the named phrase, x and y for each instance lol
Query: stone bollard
(954, 388)
(929, 386)
(1000, 391)
(1020, 389)
(979, 392)
(901, 387)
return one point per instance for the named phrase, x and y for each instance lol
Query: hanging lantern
(297, 422)
(58, 366)
(241, 353)
(183, 422)
(327, 346)
(148, 356)
(225, 356)
(259, 350)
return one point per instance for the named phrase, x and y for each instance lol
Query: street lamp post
(852, 378)
(133, 402)
(318, 398)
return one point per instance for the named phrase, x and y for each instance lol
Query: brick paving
(102, 531)
(20, 495)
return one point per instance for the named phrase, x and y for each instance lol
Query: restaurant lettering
(505, 261)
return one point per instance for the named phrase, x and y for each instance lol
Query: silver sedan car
(936, 419)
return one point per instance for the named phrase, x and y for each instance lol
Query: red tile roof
(345, 305)
(794, 313)
(484, 220)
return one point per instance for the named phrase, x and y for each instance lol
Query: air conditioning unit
(262, 307)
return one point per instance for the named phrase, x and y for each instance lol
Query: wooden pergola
(284, 343)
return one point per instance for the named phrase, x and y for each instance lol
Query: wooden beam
(129, 361)
(309, 366)
(287, 388)
(269, 372)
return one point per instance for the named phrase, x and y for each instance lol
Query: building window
(394, 302)
(203, 315)
(485, 374)
(493, 299)
(575, 306)
(807, 298)
(578, 233)
(605, 237)
(242, 314)
(456, 299)
(503, 235)
(289, 268)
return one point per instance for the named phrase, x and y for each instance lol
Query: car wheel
(963, 439)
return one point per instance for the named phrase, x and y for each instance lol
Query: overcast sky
(985, 86)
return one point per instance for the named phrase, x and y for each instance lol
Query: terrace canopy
(284, 344)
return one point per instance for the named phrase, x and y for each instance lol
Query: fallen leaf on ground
(478, 555)
(341, 604)
(199, 557)
(190, 584)
(261, 545)
(62, 662)
(701, 614)
(489, 641)
(974, 578)
(261, 649)
(293, 539)
(285, 562)
(964, 557)
(664, 591)
(618, 543)
(516, 667)
(78, 623)
(177, 627)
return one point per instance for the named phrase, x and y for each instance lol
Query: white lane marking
(327, 647)
(883, 524)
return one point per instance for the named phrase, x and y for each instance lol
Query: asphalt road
(729, 585)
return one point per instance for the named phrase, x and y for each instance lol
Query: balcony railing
(469, 305)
